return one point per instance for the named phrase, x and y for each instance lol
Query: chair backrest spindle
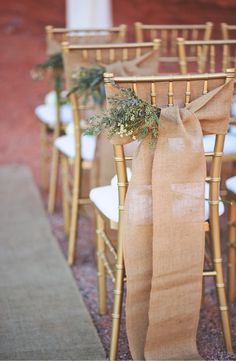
(212, 55)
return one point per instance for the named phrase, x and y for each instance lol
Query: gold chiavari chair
(109, 200)
(55, 116)
(74, 56)
(56, 36)
(168, 35)
(219, 54)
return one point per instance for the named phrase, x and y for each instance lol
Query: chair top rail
(230, 73)
(112, 45)
(174, 26)
(230, 27)
(87, 30)
(207, 42)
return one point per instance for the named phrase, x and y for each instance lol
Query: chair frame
(212, 225)
(98, 51)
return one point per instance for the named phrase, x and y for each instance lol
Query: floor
(43, 316)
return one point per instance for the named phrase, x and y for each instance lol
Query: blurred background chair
(168, 35)
(109, 200)
(91, 55)
(211, 56)
(56, 115)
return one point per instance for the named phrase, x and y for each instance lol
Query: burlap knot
(163, 230)
(103, 167)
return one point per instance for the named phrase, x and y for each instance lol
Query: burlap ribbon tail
(163, 230)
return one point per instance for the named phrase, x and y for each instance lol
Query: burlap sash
(163, 230)
(103, 165)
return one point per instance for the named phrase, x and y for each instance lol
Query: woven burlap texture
(163, 230)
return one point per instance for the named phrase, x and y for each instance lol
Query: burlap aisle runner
(163, 230)
(103, 166)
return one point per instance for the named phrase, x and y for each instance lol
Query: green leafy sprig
(88, 82)
(127, 115)
(54, 61)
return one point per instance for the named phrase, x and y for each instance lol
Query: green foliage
(54, 61)
(127, 115)
(88, 82)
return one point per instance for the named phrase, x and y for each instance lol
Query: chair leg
(100, 225)
(118, 297)
(65, 194)
(220, 287)
(44, 156)
(74, 214)
(53, 180)
(231, 253)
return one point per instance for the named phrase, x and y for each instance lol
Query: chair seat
(51, 97)
(229, 145)
(66, 144)
(232, 129)
(231, 184)
(47, 114)
(106, 200)
(233, 107)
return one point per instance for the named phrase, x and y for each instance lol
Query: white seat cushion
(229, 146)
(69, 130)
(114, 179)
(221, 204)
(51, 98)
(47, 114)
(233, 107)
(106, 200)
(232, 129)
(66, 144)
(231, 184)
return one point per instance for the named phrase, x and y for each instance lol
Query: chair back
(55, 36)
(169, 33)
(228, 31)
(75, 56)
(211, 56)
(170, 90)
